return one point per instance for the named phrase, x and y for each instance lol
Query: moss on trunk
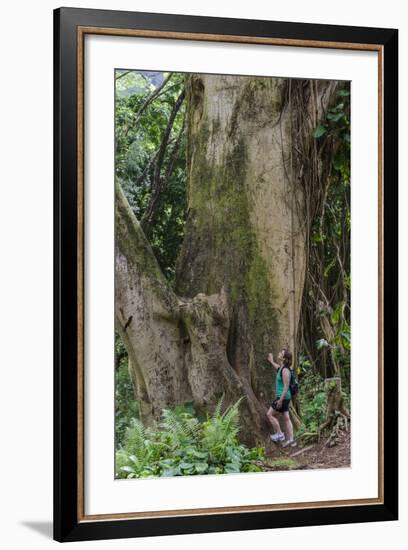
(221, 245)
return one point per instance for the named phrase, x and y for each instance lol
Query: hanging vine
(320, 159)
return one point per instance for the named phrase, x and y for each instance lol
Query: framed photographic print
(225, 274)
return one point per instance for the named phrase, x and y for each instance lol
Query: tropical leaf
(319, 131)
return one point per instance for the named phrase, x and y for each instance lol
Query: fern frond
(220, 431)
(135, 438)
(181, 427)
(218, 406)
(231, 417)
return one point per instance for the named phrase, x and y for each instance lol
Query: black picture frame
(67, 523)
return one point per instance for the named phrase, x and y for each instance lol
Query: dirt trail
(314, 456)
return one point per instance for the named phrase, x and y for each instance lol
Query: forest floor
(310, 456)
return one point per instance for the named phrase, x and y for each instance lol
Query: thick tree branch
(177, 348)
(147, 313)
(158, 182)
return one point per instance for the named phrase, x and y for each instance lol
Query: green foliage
(322, 343)
(183, 429)
(139, 134)
(182, 445)
(304, 364)
(313, 413)
(342, 336)
(283, 463)
(312, 402)
(313, 398)
(141, 452)
(339, 344)
(220, 432)
(327, 291)
(319, 131)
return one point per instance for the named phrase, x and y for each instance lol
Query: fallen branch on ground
(302, 451)
(309, 436)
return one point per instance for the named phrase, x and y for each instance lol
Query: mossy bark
(239, 227)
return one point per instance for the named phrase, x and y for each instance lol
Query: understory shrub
(313, 401)
(180, 444)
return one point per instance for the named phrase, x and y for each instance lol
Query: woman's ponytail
(287, 357)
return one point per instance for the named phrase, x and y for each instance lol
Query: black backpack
(293, 382)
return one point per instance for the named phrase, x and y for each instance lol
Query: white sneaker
(278, 437)
(289, 442)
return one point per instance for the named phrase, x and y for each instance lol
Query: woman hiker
(283, 397)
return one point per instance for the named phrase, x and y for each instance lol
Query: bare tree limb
(152, 97)
(123, 74)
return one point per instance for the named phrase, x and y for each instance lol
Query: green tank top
(280, 385)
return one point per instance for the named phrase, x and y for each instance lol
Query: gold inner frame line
(143, 33)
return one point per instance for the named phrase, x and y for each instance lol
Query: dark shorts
(285, 405)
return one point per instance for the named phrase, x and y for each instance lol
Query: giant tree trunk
(177, 348)
(241, 268)
(242, 229)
